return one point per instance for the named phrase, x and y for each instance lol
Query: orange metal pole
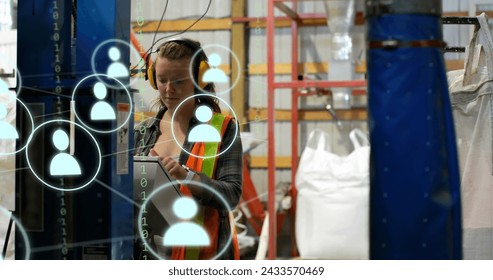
(294, 130)
(271, 155)
(137, 44)
(320, 84)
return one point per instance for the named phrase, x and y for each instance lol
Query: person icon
(214, 75)
(3, 87)
(185, 233)
(7, 131)
(204, 132)
(63, 164)
(101, 111)
(116, 69)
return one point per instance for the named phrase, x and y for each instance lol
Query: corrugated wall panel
(8, 53)
(257, 92)
(8, 58)
(282, 134)
(257, 48)
(259, 178)
(465, 31)
(451, 32)
(283, 96)
(206, 38)
(186, 9)
(463, 4)
(318, 6)
(314, 44)
(258, 8)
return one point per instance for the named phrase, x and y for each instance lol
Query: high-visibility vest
(207, 217)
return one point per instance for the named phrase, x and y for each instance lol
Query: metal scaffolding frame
(295, 85)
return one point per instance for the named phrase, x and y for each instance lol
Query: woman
(171, 76)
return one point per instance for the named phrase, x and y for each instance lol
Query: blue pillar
(96, 221)
(415, 196)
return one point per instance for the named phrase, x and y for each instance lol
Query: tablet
(149, 175)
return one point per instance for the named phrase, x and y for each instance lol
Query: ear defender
(203, 66)
(150, 73)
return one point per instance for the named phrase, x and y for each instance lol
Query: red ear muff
(150, 73)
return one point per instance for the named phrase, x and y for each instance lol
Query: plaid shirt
(228, 175)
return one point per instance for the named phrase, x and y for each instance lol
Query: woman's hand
(178, 172)
(172, 166)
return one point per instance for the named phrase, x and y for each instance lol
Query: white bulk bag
(332, 214)
(471, 95)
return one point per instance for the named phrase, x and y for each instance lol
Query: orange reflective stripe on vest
(207, 217)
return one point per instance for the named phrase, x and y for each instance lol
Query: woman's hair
(178, 49)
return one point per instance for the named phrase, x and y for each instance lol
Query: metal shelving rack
(295, 85)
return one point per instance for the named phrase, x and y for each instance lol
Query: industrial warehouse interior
(246, 130)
